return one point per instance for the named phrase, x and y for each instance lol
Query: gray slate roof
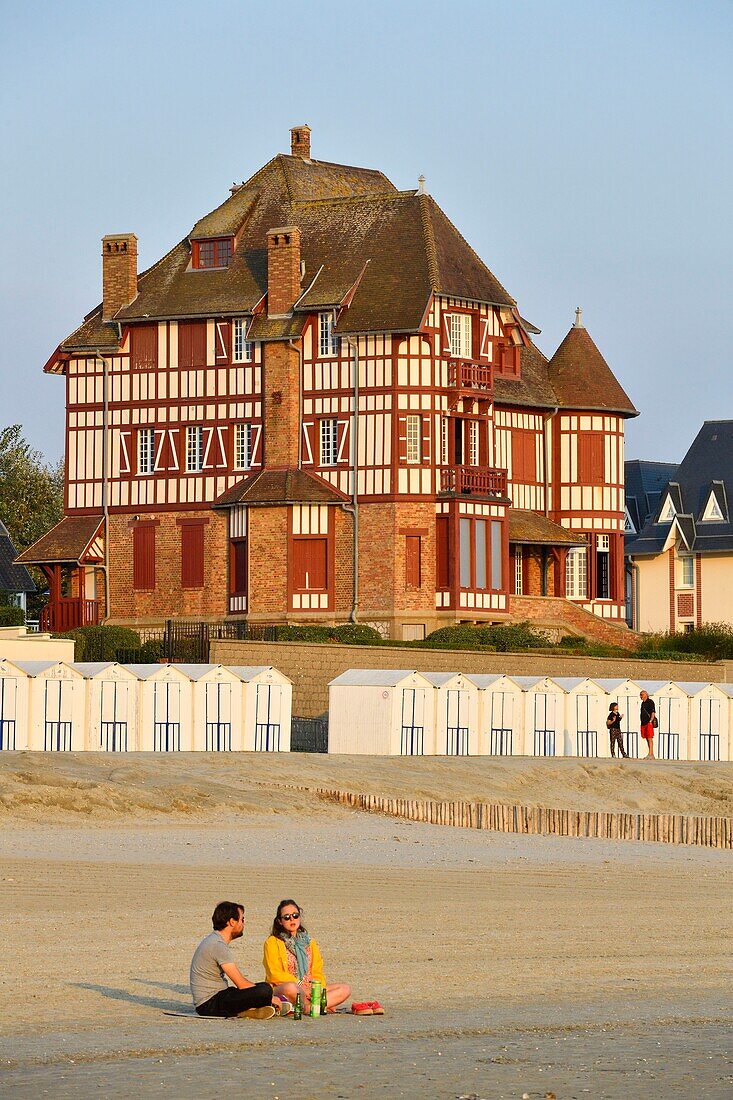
(13, 577)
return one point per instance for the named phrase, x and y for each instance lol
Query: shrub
(348, 634)
(504, 639)
(358, 634)
(100, 643)
(11, 616)
(713, 642)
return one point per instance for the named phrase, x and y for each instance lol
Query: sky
(583, 148)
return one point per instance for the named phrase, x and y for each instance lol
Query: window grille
(473, 443)
(501, 742)
(327, 341)
(576, 575)
(194, 448)
(518, 573)
(242, 446)
(145, 450)
(414, 439)
(688, 571)
(460, 335)
(7, 733)
(329, 442)
(243, 348)
(444, 441)
(114, 736)
(213, 253)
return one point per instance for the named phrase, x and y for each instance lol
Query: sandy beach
(507, 964)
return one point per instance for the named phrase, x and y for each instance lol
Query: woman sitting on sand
(293, 960)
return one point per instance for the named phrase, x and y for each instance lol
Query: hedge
(100, 643)
(11, 616)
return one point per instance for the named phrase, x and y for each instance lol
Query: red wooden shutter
(238, 575)
(143, 557)
(192, 344)
(442, 566)
(144, 347)
(591, 459)
(192, 555)
(402, 439)
(310, 565)
(413, 571)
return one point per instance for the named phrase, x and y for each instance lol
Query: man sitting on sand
(213, 962)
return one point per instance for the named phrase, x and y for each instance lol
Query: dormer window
(216, 252)
(713, 512)
(459, 335)
(668, 512)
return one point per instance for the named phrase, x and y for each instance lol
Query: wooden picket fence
(710, 832)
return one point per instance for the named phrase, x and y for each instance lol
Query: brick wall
(280, 395)
(344, 563)
(168, 598)
(119, 272)
(311, 667)
(283, 270)
(268, 561)
(384, 595)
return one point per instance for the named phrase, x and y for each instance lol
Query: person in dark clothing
(613, 723)
(214, 966)
(648, 719)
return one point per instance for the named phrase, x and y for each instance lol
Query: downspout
(353, 508)
(635, 596)
(105, 476)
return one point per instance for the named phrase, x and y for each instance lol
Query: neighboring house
(645, 482)
(321, 405)
(681, 558)
(15, 580)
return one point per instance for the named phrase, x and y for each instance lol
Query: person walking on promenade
(213, 962)
(648, 719)
(613, 722)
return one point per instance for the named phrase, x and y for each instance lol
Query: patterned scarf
(298, 945)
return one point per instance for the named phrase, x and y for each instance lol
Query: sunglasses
(290, 916)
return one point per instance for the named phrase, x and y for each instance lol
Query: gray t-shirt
(207, 977)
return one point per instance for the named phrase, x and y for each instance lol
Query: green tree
(31, 490)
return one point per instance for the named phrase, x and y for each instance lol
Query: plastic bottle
(315, 998)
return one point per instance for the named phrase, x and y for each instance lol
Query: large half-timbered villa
(321, 406)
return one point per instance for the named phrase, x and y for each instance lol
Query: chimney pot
(300, 142)
(119, 272)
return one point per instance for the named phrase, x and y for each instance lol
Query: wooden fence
(710, 832)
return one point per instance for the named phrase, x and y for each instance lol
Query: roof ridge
(472, 250)
(372, 196)
(431, 251)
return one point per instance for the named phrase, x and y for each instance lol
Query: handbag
(655, 723)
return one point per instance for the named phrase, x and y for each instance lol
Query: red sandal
(377, 1009)
(362, 1008)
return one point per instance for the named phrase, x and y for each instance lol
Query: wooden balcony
(69, 613)
(478, 481)
(471, 379)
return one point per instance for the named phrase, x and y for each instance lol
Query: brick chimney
(119, 272)
(300, 142)
(283, 270)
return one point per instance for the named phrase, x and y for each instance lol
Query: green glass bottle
(324, 1001)
(298, 1009)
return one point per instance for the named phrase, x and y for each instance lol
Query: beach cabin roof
(569, 683)
(727, 688)
(149, 672)
(248, 673)
(690, 687)
(614, 685)
(201, 671)
(8, 667)
(92, 669)
(379, 677)
(484, 680)
(440, 679)
(526, 683)
(37, 668)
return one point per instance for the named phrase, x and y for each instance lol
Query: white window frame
(243, 436)
(146, 450)
(459, 335)
(242, 348)
(576, 574)
(327, 341)
(194, 448)
(688, 566)
(328, 439)
(413, 440)
(474, 443)
(518, 572)
(444, 441)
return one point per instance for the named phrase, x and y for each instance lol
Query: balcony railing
(473, 481)
(69, 613)
(471, 377)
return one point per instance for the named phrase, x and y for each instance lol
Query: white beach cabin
(500, 714)
(672, 702)
(544, 715)
(217, 707)
(708, 728)
(626, 694)
(14, 691)
(57, 711)
(585, 733)
(111, 706)
(456, 714)
(267, 707)
(381, 712)
(726, 728)
(165, 710)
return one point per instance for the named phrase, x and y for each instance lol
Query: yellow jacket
(275, 959)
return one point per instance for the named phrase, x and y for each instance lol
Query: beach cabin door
(587, 743)
(166, 716)
(8, 711)
(545, 723)
(268, 701)
(58, 712)
(412, 741)
(218, 717)
(669, 715)
(457, 704)
(502, 723)
(709, 726)
(113, 708)
(630, 724)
